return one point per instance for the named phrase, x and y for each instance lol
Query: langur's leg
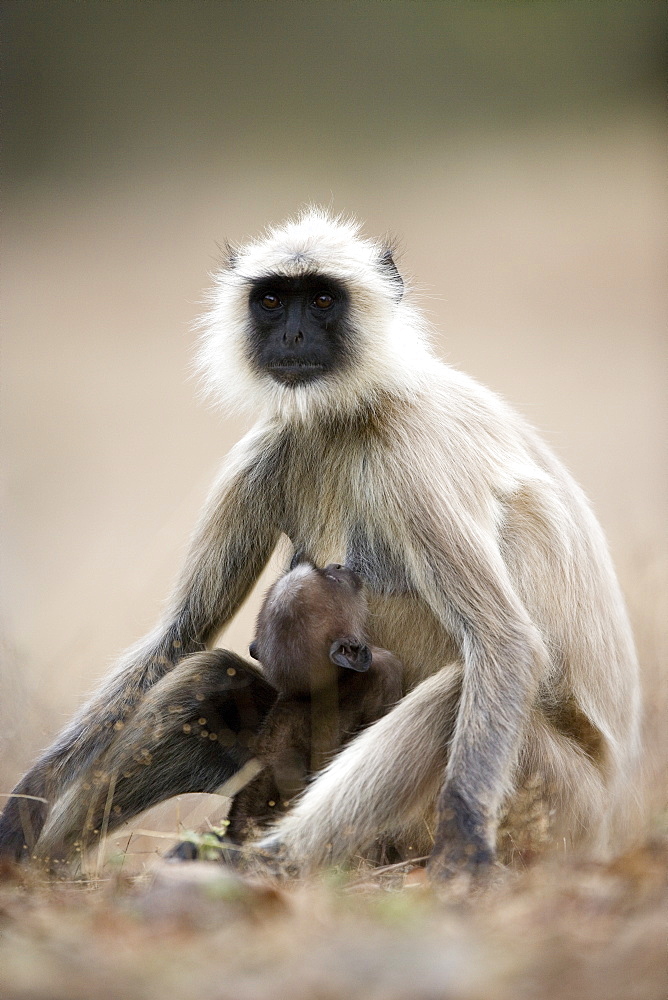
(389, 779)
(192, 732)
(560, 799)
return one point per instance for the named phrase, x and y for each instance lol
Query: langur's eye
(270, 301)
(324, 300)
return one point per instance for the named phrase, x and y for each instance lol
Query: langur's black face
(299, 330)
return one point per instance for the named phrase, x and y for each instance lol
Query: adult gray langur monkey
(487, 575)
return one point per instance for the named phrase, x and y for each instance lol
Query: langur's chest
(324, 487)
(336, 513)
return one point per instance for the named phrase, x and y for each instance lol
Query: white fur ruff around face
(391, 354)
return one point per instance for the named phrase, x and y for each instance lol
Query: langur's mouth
(295, 371)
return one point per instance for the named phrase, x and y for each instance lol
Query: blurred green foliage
(97, 86)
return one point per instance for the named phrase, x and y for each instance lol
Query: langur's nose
(293, 337)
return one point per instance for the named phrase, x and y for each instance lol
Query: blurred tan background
(516, 149)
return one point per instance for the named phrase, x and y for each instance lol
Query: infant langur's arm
(382, 686)
(282, 745)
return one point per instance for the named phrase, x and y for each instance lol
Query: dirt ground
(564, 932)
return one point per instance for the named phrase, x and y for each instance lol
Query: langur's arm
(284, 744)
(232, 543)
(462, 576)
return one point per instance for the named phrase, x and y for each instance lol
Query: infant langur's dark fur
(311, 641)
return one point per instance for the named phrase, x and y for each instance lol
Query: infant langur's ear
(351, 654)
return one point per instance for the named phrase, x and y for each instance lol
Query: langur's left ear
(229, 255)
(350, 654)
(389, 268)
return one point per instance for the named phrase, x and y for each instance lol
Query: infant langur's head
(312, 622)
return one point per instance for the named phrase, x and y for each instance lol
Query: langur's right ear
(350, 654)
(252, 649)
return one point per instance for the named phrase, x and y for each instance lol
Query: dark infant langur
(311, 639)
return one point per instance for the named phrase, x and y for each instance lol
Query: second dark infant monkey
(311, 642)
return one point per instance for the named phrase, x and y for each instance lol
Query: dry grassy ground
(195, 932)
